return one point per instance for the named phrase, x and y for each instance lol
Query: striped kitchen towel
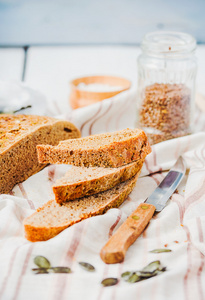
(180, 227)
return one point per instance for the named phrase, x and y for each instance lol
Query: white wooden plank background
(200, 81)
(49, 69)
(11, 63)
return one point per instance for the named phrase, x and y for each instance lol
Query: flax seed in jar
(166, 85)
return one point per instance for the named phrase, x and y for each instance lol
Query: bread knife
(115, 249)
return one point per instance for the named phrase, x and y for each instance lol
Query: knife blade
(115, 249)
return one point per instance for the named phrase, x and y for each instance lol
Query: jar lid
(168, 43)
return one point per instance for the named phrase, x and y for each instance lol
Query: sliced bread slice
(19, 135)
(113, 149)
(80, 181)
(52, 218)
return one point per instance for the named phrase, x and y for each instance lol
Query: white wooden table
(50, 69)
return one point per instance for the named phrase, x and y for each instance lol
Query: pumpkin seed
(135, 217)
(161, 271)
(59, 270)
(109, 281)
(126, 275)
(151, 267)
(87, 266)
(134, 278)
(40, 270)
(148, 274)
(154, 268)
(160, 250)
(42, 262)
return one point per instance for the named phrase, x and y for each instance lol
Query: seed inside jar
(165, 111)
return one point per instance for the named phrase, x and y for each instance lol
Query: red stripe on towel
(124, 108)
(200, 230)
(68, 260)
(106, 111)
(199, 273)
(87, 121)
(198, 193)
(201, 158)
(152, 166)
(180, 206)
(74, 245)
(51, 173)
(107, 267)
(111, 117)
(115, 224)
(189, 264)
(189, 285)
(23, 271)
(105, 272)
(116, 287)
(154, 177)
(192, 253)
(25, 195)
(11, 262)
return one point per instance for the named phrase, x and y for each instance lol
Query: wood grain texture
(115, 249)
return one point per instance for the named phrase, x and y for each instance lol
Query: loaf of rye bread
(19, 135)
(112, 150)
(81, 181)
(52, 218)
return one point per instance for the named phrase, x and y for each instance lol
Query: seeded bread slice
(102, 150)
(19, 135)
(80, 181)
(52, 218)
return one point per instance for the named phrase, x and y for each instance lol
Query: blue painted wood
(29, 22)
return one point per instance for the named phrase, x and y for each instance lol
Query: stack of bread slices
(105, 170)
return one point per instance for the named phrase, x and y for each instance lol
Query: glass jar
(166, 85)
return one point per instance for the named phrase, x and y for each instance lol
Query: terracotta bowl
(80, 98)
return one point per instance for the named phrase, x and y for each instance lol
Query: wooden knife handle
(115, 249)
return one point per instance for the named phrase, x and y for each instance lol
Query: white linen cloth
(179, 227)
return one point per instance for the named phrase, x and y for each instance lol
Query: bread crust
(120, 148)
(92, 180)
(54, 218)
(19, 135)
